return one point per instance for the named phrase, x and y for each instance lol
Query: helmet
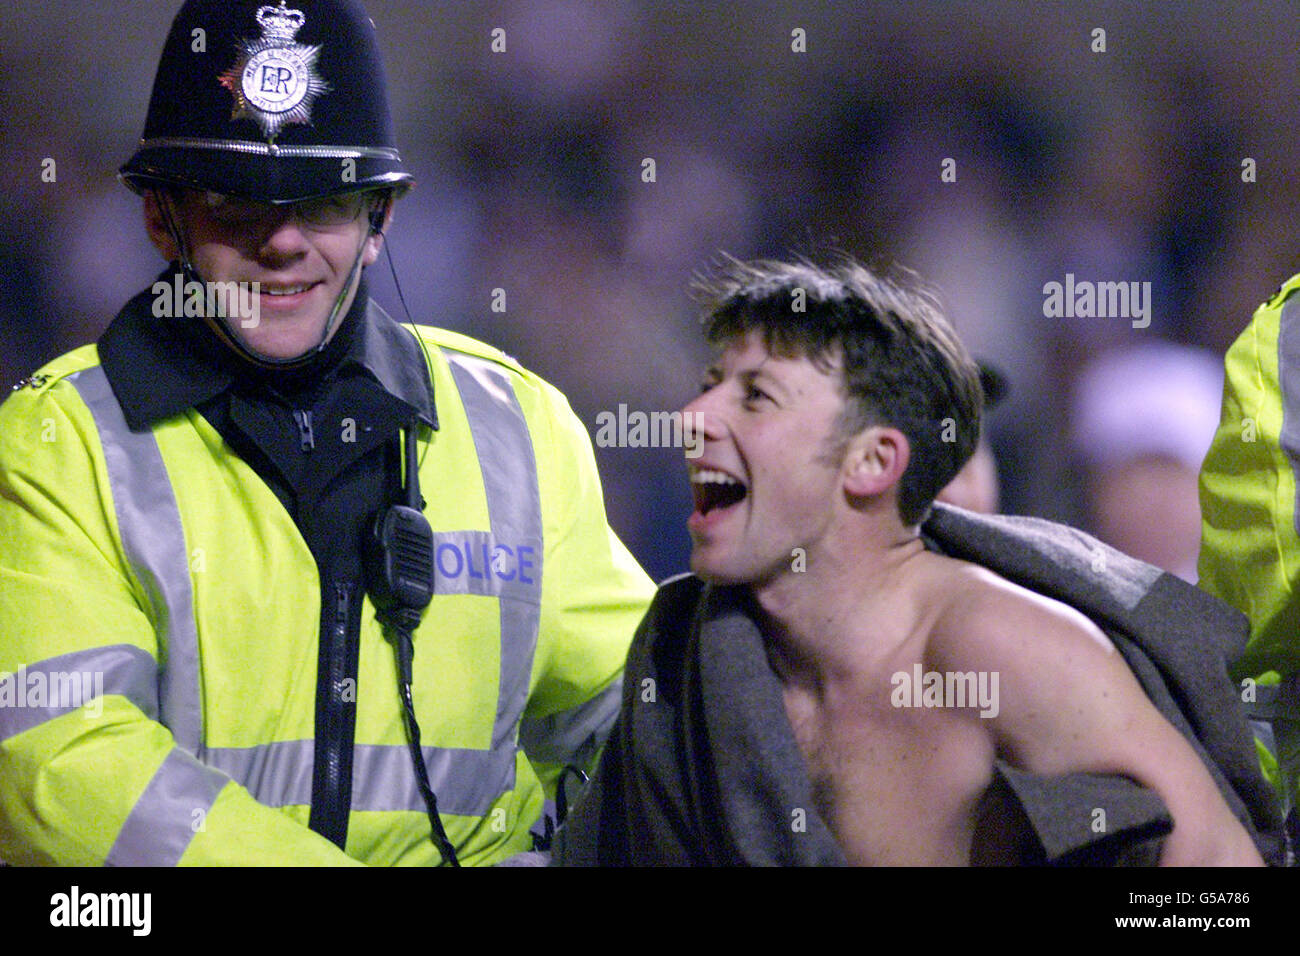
(270, 102)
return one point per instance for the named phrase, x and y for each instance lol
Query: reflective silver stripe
(1288, 373)
(70, 681)
(277, 775)
(168, 813)
(571, 736)
(154, 542)
(467, 782)
(475, 562)
(268, 149)
(505, 455)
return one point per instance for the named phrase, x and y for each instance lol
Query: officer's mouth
(285, 297)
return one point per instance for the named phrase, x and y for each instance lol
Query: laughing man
(837, 408)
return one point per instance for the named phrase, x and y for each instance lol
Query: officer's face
(300, 258)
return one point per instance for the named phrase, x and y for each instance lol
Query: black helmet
(271, 102)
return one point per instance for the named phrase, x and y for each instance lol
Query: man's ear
(875, 461)
(156, 225)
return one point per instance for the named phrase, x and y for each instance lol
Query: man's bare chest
(896, 785)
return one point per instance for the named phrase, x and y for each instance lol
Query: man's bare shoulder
(984, 621)
(1067, 702)
(1058, 674)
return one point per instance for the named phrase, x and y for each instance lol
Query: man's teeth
(703, 476)
(293, 290)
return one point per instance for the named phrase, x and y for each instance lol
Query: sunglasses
(323, 213)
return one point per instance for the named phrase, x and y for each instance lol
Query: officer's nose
(283, 235)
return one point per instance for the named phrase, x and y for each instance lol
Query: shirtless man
(838, 407)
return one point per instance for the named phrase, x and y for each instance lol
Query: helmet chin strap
(220, 324)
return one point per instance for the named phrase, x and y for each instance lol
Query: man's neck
(814, 619)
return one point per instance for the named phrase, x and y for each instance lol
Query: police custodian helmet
(272, 102)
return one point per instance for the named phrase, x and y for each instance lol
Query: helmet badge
(274, 79)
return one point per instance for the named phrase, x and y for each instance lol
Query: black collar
(160, 367)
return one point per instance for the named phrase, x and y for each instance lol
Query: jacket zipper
(338, 643)
(306, 437)
(335, 724)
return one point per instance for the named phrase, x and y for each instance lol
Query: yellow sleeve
(594, 596)
(1250, 548)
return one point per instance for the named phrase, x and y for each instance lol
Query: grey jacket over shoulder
(703, 768)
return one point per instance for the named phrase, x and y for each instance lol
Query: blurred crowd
(1123, 165)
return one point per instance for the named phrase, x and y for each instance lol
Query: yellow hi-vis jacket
(1250, 543)
(159, 630)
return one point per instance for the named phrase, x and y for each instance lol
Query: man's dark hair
(902, 364)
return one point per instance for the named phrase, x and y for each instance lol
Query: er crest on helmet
(274, 80)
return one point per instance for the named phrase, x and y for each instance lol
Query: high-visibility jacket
(1250, 543)
(159, 626)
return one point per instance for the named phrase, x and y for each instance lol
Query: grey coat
(703, 767)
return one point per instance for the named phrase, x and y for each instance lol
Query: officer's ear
(380, 217)
(155, 223)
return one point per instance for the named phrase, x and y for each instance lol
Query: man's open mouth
(715, 489)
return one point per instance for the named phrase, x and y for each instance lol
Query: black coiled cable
(399, 624)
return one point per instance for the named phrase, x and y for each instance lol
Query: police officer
(283, 581)
(1250, 534)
